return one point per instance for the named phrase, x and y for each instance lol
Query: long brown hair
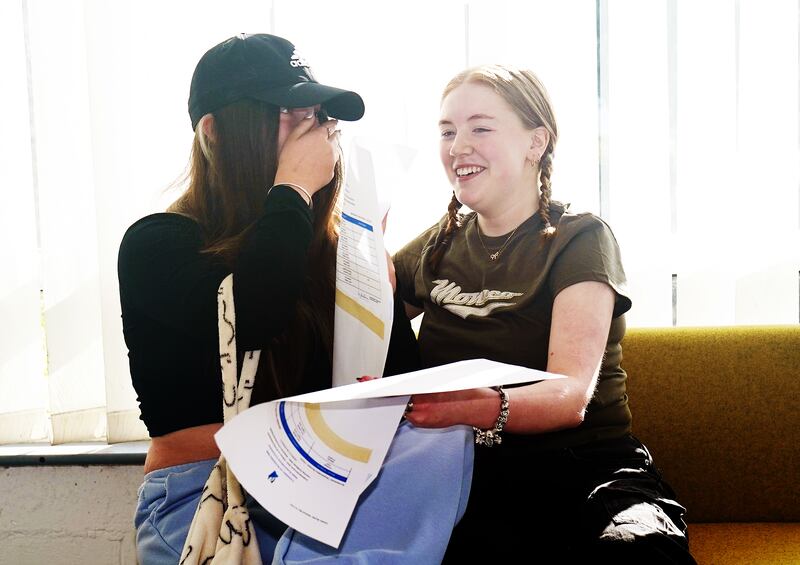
(228, 176)
(527, 96)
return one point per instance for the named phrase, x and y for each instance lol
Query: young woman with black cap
(262, 188)
(558, 478)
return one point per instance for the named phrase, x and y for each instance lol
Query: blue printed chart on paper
(319, 445)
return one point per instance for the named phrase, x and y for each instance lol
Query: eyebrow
(473, 117)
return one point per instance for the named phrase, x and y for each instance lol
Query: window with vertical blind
(678, 123)
(700, 152)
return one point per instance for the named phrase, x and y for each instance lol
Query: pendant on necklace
(494, 256)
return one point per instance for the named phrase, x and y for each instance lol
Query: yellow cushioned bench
(719, 409)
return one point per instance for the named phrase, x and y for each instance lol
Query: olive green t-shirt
(501, 310)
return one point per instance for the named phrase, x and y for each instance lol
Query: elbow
(581, 406)
(574, 403)
(578, 416)
(574, 416)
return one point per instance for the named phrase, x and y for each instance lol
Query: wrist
(298, 189)
(484, 415)
(491, 436)
(297, 178)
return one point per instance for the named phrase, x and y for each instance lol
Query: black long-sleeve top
(168, 294)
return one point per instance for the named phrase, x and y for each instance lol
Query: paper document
(364, 301)
(308, 465)
(364, 297)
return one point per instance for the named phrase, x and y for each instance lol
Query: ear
(540, 139)
(207, 124)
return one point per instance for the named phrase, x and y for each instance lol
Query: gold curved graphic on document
(332, 439)
(360, 313)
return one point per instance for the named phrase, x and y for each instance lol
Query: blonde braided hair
(545, 170)
(454, 221)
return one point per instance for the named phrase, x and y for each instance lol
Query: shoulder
(576, 222)
(408, 262)
(156, 228)
(583, 242)
(584, 249)
(414, 249)
(160, 234)
(155, 223)
(583, 226)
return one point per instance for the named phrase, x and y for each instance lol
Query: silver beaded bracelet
(490, 438)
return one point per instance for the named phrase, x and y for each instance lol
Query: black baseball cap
(267, 68)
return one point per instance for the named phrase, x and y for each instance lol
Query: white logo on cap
(298, 60)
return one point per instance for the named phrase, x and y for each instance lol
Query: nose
(460, 145)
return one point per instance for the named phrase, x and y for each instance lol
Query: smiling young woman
(522, 280)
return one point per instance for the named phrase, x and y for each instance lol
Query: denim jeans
(405, 516)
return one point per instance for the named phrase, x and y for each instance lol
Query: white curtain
(98, 132)
(678, 122)
(702, 158)
(23, 385)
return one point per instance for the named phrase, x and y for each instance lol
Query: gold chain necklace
(496, 254)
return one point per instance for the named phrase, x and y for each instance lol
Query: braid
(545, 170)
(442, 241)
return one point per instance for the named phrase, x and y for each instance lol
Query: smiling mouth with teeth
(465, 172)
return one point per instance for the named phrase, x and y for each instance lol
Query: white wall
(68, 514)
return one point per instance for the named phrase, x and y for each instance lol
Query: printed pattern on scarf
(221, 530)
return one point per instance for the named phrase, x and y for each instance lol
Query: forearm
(271, 269)
(547, 406)
(537, 408)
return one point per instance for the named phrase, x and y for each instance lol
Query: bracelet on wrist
(492, 437)
(297, 187)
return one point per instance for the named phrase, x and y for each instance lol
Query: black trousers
(604, 502)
